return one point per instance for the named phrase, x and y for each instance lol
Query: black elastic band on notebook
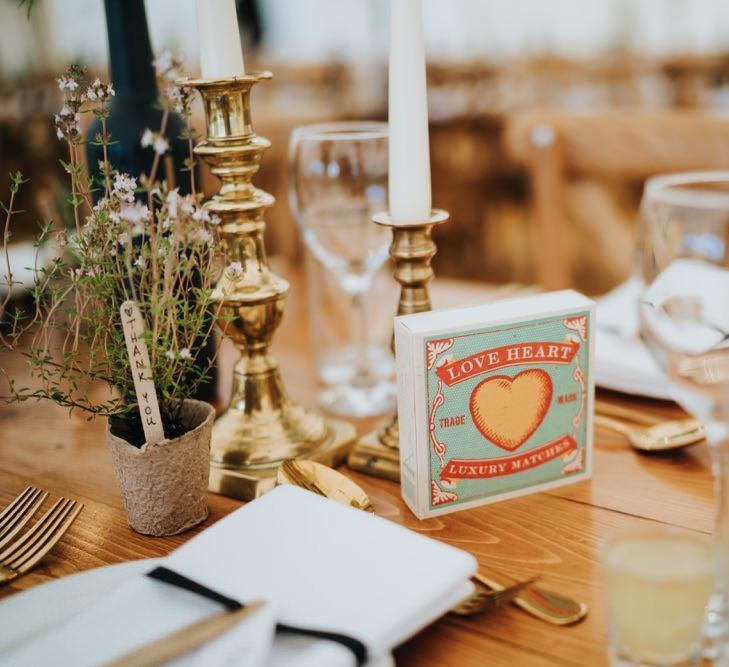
(354, 645)
(173, 578)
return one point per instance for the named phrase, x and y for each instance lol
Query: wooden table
(557, 534)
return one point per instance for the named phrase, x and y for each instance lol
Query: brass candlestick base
(261, 426)
(412, 249)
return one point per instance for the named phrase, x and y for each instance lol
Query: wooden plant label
(133, 325)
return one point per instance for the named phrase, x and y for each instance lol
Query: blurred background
(546, 117)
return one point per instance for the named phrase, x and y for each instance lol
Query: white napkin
(23, 258)
(688, 307)
(319, 564)
(622, 361)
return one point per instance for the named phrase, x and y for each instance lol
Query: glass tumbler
(658, 582)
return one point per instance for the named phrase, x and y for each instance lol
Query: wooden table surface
(556, 534)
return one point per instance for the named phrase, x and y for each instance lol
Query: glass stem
(359, 338)
(720, 465)
(715, 625)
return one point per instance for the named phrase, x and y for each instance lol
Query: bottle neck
(130, 51)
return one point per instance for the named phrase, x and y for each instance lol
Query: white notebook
(319, 565)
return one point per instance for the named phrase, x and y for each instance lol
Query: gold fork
(28, 550)
(484, 599)
(19, 512)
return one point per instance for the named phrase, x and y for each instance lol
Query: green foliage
(27, 2)
(163, 252)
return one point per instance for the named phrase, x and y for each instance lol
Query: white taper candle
(409, 168)
(221, 55)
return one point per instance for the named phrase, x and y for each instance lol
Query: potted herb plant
(142, 242)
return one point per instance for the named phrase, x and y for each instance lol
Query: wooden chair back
(554, 145)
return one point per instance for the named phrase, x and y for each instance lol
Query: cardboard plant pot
(165, 485)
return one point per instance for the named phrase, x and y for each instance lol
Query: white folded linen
(622, 361)
(320, 565)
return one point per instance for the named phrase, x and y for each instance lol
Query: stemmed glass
(684, 313)
(338, 181)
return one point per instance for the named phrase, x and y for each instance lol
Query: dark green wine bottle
(133, 109)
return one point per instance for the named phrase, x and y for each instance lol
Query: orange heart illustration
(508, 410)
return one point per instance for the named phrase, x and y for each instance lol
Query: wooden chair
(554, 145)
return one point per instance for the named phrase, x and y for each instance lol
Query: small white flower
(124, 187)
(59, 133)
(217, 295)
(140, 262)
(201, 215)
(123, 238)
(204, 236)
(161, 145)
(170, 354)
(147, 138)
(185, 353)
(176, 98)
(214, 220)
(99, 91)
(234, 270)
(172, 201)
(188, 205)
(67, 83)
(162, 62)
(168, 66)
(135, 214)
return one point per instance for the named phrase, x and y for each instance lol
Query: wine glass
(338, 181)
(684, 314)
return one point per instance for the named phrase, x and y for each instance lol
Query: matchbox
(494, 401)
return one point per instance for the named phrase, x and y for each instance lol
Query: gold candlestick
(261, 426)
(412, 249)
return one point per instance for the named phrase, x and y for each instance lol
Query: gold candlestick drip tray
(243, 472)
(372, 457)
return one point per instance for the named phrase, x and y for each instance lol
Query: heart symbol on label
(508, 410)
(128, 311)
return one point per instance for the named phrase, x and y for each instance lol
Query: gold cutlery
(25, 552)
(185, 639)
(325, 481)
(637, 415)
(486, 598)
(542, 603)
(19, 512)
(664, 436)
